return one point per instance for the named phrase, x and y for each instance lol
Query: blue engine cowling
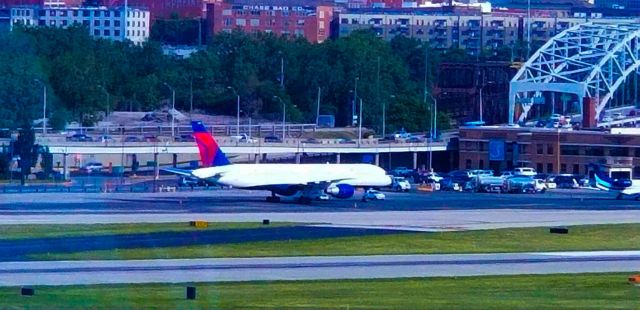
(341, 191)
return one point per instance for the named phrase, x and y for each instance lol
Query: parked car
(79, 137)
(272, 139)
(486, 183)
(106, 138)
(519, 184)
(323, 196)
(541, 186)
(551, 182)
(185, 138)
(617, 116)
(566, 181)
(402, 172)
(92, 167)
(400, 184)
(132, 139)
(507, 174)
(432, 177)
(373, 194)
(526, 171)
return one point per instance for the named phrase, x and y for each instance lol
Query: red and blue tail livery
(210, 153)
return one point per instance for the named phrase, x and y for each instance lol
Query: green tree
(27, 150)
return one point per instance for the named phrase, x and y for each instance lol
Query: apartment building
(101, 22)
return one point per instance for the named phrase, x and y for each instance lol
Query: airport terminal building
(548, 150)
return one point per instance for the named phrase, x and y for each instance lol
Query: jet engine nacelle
(341, 191)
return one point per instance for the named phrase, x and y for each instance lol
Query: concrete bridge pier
(256, 158)
(175, 160)
(377, 159)
(337, 158)
(65, 167)
(156, 168)
(298, 157)
(415, 160)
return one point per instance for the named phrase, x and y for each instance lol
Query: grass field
(590, 237)
(63, 230)
(583, 291)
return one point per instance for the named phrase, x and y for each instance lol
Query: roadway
(312, 268)
(440, 211)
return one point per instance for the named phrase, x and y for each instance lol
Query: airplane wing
(182, 172)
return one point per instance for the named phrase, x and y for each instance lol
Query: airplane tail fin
(210, 153)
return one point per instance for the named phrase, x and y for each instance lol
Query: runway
(440, 211)
(312, 268)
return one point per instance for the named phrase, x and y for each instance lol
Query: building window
(107, 32)
(241, 22)
(86, 13)
(75, 13)
(116, 33)
(539, 149)
(539, 167)
(64, 22)
(549, 149)
(321, 25)
(563, 168)
(85, 23)
(96, 23)
(321, 14)
(255, 22)
(226, 12)
(467, 164)
(227, 21)
(116, 23)
(618, 151)
(300, 22)
(107, 23)
(549, 168)
(481, 164)
(116, 13)
(107, 14)
(344, 21)
(96, 32)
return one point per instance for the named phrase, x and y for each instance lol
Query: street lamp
(237, 109)
(434, 114)
(284, 116)
(108, 98)
(384, 116)
(173, 107)
(355, 99)
(44, 106)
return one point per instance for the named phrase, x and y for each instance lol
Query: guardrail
(219, 130)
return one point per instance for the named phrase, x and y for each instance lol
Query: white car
(526, 171)
(433, 176)
(374, 195)
(91, 167)
(400, 184)
(541, 186)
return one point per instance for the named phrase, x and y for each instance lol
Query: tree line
(87, 77)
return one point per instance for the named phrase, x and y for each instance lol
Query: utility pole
(353, 103)
(318, 107)
(282, 72)
(378, 89)
(360, 124)
(190, 97)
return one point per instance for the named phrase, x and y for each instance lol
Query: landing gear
(273, 198)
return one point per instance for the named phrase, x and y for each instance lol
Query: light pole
(108, 97)
(355, 99)
(44, 106)
(173, 108)
(360, 124)
(284, 116)
(237, 109)
(384, 117)
(481, 101)
(434, 113)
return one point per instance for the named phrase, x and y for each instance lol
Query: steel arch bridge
(590, 60)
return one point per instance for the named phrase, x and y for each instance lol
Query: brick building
(162, 9)
(285, 18)
(547, 150)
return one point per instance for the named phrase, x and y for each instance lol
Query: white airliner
(305, 181)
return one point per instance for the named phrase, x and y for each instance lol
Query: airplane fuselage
(258, 175)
